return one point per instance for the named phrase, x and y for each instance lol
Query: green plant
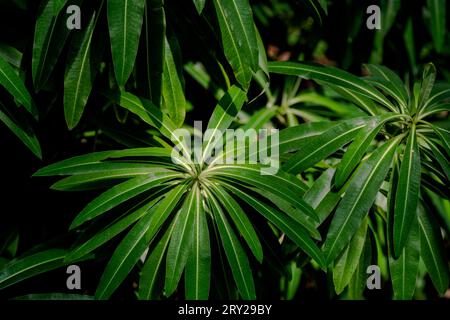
(409, 146)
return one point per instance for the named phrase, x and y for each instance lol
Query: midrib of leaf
(197, 246)
(243, 28)
(393, 144)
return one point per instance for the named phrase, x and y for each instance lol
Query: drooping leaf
(239, 39)
(407, 194)
(358, 199)
(432, 250)
(125, 23)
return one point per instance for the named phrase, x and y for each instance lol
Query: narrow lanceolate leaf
(125, 23)
(281, 184)
(199, 5)
(388, 81)
(407, 194)
(432, 251)
(198, 266)
(124, 258)
(223, 115)
(428, 79)
(173, 83)
(359, 280)
(150, 114)
(153, 267)
(289, 226)
(26, 135)
(151, 52)
(120, 193)
(355, 152)
(333, 76)
(80, 73)
(21, 269)
(404, 269)
(15, 86)
(237, 258)
(181, 241)
(318, 148)
(444, 136)
(110, 232)
(242, 222)
(239, 39)
(347, 262)
(50, 34)
(437, 23)
(358, 199)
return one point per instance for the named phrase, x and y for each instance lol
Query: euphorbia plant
(402, 135)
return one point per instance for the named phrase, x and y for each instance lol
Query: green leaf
(50, 35)
(181, 241)
(437, 23)
(347, 263)
(281, 184)
(428, 79)
(15, 86)
(223, 115)
(355, 152)
(153, 267)
(404, 269)
(239, 39)
(242, 222)
(120, 193)
(151, 52)
(432, 251)
(80, 73)
(407, 194)
(358, 199)
(318, 148)
(124, 258)
(199, 5)
(390, 82)
(198, 267)
(237, 258)
(358, 282)
(173, 83)
(27, 267)
(92, 162)
(125, 23)
(110, 232)
(333, 76)
(26, 135)
(289, 226)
